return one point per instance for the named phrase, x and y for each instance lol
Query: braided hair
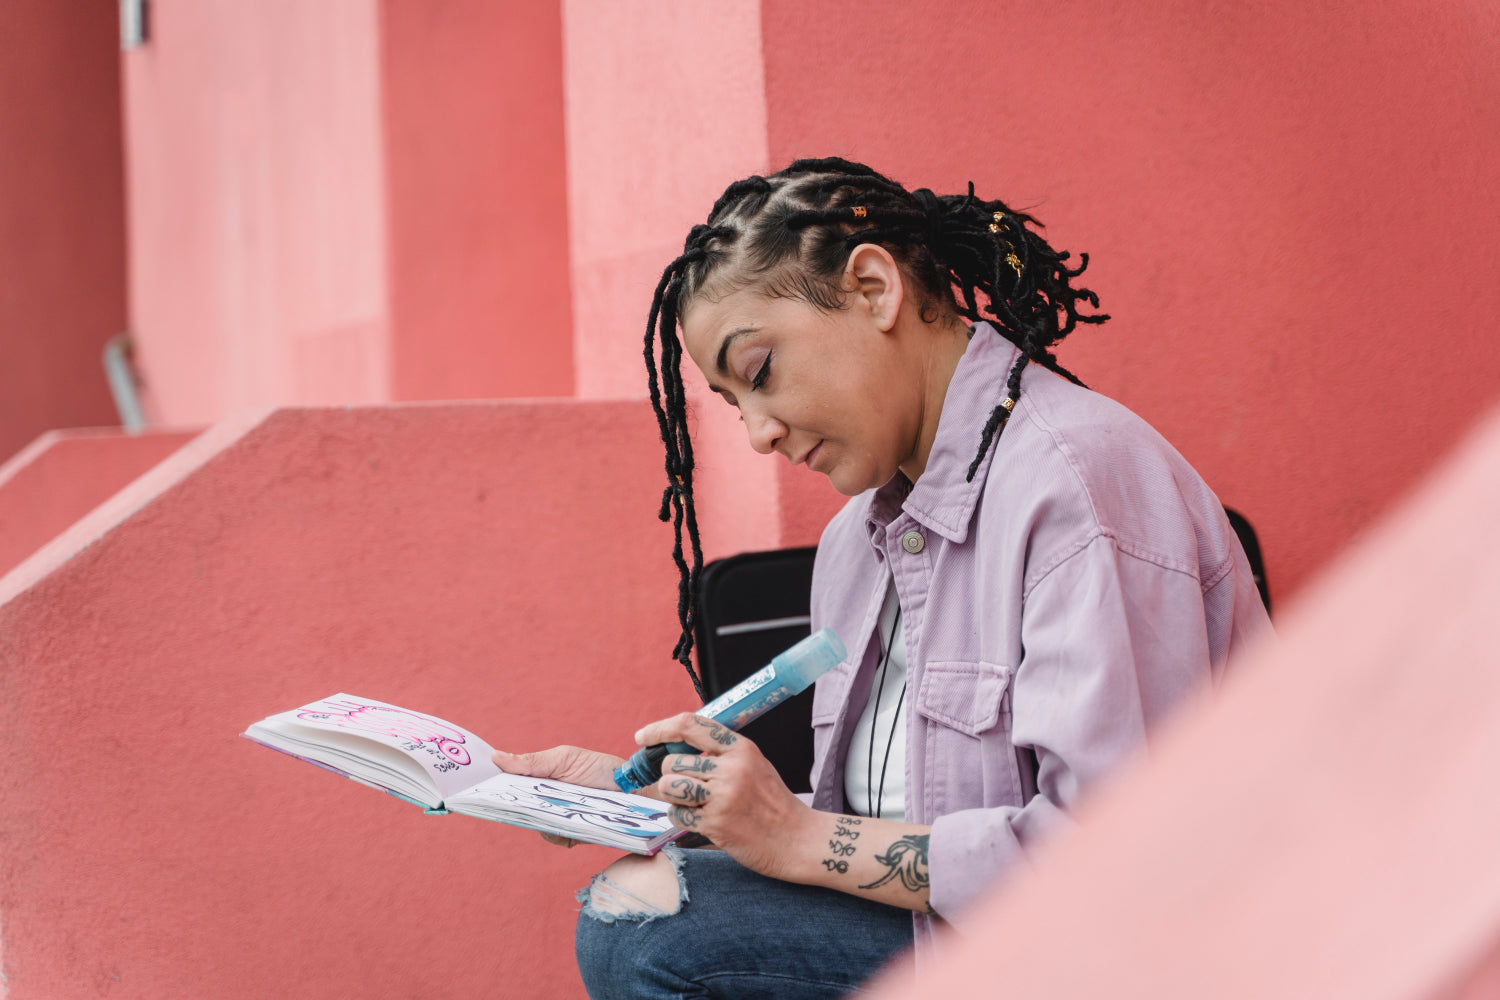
(791, 234)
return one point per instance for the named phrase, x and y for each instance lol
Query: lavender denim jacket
(1056, 608)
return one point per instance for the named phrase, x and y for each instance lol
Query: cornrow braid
(791, 234)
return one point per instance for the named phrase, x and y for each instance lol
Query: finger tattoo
(683, 817)
(720, 734)
(693, 765)
(690, 791)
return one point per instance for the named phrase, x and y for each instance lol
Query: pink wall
(257, 234)
(1325, 828)
(666, 104)
(63, 475)
(1285, 205)
(344, 202)
(476, 198)
(410, 553)
(62, 241)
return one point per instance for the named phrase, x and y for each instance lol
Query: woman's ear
(876, 284)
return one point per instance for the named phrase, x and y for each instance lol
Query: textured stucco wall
(496, 564)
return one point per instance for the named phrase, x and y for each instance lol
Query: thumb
(564, 763)
(529, 764)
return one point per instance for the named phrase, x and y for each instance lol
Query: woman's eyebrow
(721, 364)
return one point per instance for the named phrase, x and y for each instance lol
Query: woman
(1027, 578)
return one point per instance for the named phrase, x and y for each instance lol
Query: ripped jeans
(734, 935)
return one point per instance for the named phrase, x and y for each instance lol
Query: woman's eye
(763, 373)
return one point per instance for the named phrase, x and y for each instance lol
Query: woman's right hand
(589, 768)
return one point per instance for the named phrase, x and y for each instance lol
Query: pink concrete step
(498, 564)
(64, 474)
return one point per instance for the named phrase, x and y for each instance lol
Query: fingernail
(637, 738)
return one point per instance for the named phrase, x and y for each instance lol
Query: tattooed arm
(878, 859)
(731, 794)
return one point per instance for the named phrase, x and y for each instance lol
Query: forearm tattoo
(841, 844)
(905, 859)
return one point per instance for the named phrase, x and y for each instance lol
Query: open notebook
(444, 768)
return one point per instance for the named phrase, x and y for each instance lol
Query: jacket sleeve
(1112, 640)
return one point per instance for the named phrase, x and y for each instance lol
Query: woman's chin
(846, 484)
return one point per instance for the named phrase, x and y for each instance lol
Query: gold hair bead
(1014, 262)
(859, 211)
(994, 228)
(1008, 403)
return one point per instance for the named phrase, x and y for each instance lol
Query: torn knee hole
(635, 888)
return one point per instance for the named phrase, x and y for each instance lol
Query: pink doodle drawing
(396, 722)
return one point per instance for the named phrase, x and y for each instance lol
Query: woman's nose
(765, 431)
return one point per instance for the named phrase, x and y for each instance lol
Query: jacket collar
(943, 499)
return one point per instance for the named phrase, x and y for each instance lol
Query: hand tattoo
(695, 765)
(690, 791)
(842, 867)
(683, 817)
(905, 859)
(720, 734)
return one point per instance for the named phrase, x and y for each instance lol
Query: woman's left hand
(729, 793)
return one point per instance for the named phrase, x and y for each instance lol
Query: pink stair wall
(1326, 827)
(498, 564)
(63, 475)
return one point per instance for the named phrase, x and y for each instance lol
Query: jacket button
(912, 541)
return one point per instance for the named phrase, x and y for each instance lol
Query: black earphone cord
(891, 736)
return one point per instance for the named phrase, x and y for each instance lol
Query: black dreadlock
(791, 233)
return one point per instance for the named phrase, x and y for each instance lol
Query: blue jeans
(736, 936)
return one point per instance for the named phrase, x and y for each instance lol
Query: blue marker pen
(789, 673)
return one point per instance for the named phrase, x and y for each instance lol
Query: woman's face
(829, 388)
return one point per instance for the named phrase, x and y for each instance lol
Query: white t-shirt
(875, 770)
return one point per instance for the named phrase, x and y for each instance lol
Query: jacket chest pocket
(966, 696)
(970, 762)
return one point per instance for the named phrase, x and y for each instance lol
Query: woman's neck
(945, 343)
